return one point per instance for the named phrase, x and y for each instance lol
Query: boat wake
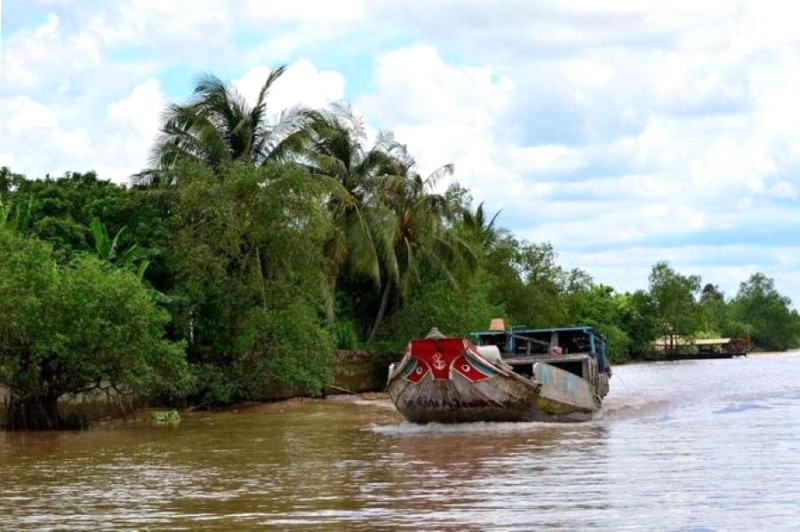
(412, 429)
(633, 408)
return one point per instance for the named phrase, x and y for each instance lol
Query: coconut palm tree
(483, 230)
(336, 152)
(418, 232)
(218, 125)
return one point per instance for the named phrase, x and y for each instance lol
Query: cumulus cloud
(301, 85)
(623, 132)
(42, 139)
(305, 11)
(619, 124)
(444, 113)
(70, 102)
(731, 265)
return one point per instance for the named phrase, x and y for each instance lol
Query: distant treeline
(248, 250)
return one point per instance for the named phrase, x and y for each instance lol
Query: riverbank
(360, 373)
(354, 372)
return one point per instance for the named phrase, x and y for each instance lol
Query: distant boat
(675, 347)
(519, 374)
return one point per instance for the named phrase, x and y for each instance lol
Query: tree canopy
(219, 126)
(75, 327)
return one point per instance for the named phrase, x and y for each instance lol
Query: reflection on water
(681, 446)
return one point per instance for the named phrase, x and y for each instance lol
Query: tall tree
(247, 250)
(482, 228)
(219, 126)
(417, 233)
(674, 297)
(61, 211)
(528, 282)
(599, 306)
(766, 314)
(74, 328)
(639, 319)
(337, 153)
(713, 309)
(15, 217)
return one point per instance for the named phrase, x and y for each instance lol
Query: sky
(623, 132)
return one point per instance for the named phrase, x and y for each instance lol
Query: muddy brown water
(698, 445)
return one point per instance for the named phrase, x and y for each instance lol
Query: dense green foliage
(247, 249)
(764, 314)
(250, 250)
(75, 327)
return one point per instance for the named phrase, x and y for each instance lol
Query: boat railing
(529, 340)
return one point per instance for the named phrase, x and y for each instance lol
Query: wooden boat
(521, 374)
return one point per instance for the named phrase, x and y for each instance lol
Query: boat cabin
(578, 350)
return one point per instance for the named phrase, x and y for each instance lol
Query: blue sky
(623, 132)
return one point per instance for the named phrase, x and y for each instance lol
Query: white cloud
(48, 139)
(690, 131)
(445, 114)
(23, 115)
(546, 159)
(735, 264)
(304, 11)
(177, 26)
(784, 189)
(618, 123)
(141, 109)
(132, 128)
(415, 85)
(301, 84)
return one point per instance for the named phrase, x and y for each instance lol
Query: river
(696, 445)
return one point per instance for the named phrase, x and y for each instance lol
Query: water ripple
(680, 446)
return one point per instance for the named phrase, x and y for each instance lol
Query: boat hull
(499, 394)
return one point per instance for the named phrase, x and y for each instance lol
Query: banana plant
(106, 249)
(16, 217)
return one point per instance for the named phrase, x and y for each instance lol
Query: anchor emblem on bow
(438, 363)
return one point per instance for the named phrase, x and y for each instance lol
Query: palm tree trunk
(262, 282)
(381, 311)
(330, 303)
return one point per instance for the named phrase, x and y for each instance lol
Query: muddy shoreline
(354, 373)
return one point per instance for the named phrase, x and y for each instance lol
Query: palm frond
(273, 76)
(287, 135)
(440, 173)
